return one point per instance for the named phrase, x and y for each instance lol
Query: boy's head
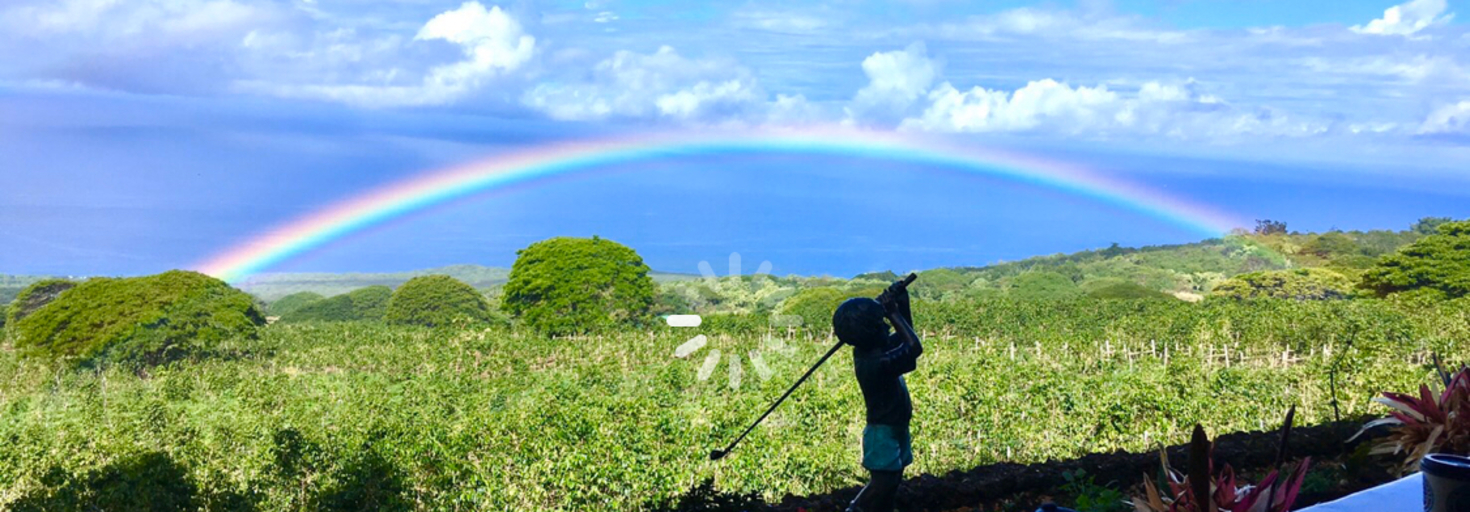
(860, 322)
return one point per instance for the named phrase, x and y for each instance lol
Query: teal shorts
(887, 448)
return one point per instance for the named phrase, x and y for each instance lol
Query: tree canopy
(1298, 284)
(1437, 264)
(367, 303)
(146, 320)
(437, 301)
(285, 305)
(33, 297)
(575, 285)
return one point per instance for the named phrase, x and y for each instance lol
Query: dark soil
(1010, 486)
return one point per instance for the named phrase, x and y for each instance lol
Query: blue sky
(143, 135)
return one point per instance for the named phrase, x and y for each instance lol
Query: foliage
(34, 297)
(1438, 262)
(145, 482)
(1089, 496)
(705, 498)
(369, 303)
(575, 285)
(437, 301)
(1220, 490)
(290, 303)
(815, 305)
(1044, 285)
(1296, 284)
(1427, 423)
(1120, 289)
(1270, 227)
(274, 286)
(1429, 225)
(146, 320)
(886, 276)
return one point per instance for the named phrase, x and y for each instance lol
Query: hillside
(274, 285)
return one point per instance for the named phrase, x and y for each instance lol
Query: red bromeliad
(1226, 493)
(1428, 423)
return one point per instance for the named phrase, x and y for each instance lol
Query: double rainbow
(322, 227)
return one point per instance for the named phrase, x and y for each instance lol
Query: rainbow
(321, 227)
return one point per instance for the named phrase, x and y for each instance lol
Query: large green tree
(1437, 264)
(575, 285)
(367, 303)
(145, 320)
(437, 301)
(1299, 284)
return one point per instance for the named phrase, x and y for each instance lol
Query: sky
(144, 135)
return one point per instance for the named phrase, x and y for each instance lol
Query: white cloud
(896, 79)
(1096, 24)
(491, 45)
(662, 84)
(492, 41)
(1408, 18)
(1448, 119)
(1176, 111)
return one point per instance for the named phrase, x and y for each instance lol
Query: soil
(1010, 486)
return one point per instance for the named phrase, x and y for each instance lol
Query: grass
(499, 419)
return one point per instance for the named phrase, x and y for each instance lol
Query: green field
(347, 415)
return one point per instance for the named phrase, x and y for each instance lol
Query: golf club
(720, 454)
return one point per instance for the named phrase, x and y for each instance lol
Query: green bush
(369, 303)
(1043, 285)
(1119, 289)
(1297, 284)
(574, 285)
(436, 301)
(815, 305)
(34, 297)
(1437, 264)
(285, 305)
(145, 320)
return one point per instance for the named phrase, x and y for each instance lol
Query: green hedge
(141, 319)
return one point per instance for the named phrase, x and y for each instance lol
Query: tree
(437, 301)
(815, 305)
(1437, 265)
(285, 305)
(576, 285)
(1429, 225)
(139, 320)
(368, 303)
(1115, 288)
(1043, 285)
(1270, 227)
(1298, 284)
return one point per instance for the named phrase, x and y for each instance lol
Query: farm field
(359, 415)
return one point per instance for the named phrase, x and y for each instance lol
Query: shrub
(286, 305)
(1439, 263)
(436, 301)
(1427, 423)
(1119, 289)
(573, 285)
(1044, 285)
(1298, 284)
(145, 320)
(369, 303)
(34, 297)
(815, 305)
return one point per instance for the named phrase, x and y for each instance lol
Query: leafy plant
(1204, 490)
(574, 285)
(1427, 423)
(34, 297)
(369, 303)
(1437, 264)
(1089, 496)
(286, 305)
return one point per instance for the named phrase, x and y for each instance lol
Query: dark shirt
(880, 375)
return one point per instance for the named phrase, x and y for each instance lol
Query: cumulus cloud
(662, 84)
(490, 44)
(1171, 110)
(1453, 119)
(896, 79)
(1408, 18)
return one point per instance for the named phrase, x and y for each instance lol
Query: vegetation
(511, 420)
(576, 285)
(290, 303)
(1437, 265)
(1427, 423)
(815, 305)
(437, 301)
(146, 320)
(34, 297)
(1296, 284)
(369, 303)
(1203, 489)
